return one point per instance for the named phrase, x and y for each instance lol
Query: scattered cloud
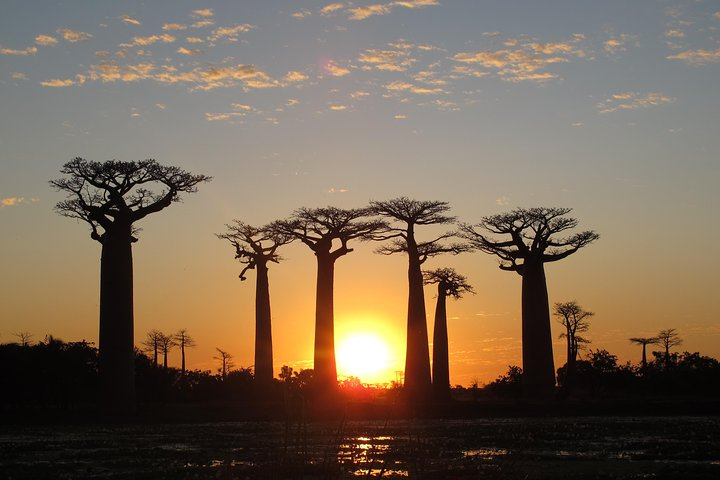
(617, 43)
(57, 83)
(292, 102)
(174, 26)
(73, 36)
(203, 23)
(400, 117)
(194, 40)
(152, 39)
(338, 108)
(130, 21)
(389, 60)
(331, 8)
(189, 51)
(23, 52)
(45, 40)
(216, 117)
(577, 124)
(295, 76)
(675, 34)
(230, 33)
(359, 94)
(338, 190)
(333, 69)
(633, 101)
(697, 57)
(400, 86)
(302, 13)
(19, 76)
(161, 106)
(205, 12)
(14, 201)
(361, 13)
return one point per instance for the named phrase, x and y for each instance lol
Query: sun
(363, 355)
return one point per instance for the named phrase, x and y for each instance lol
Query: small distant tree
(405, 216)
(165, 344)
(644, 341)
(449, 283)
(226, 362)
(667, 339)
(183, 340)
(151, 344)
(25, 338)
(111, 197)
(531, 242)
(327, 232)
(575, 320)
(255, 248)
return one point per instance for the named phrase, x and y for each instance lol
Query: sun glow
(366, 356)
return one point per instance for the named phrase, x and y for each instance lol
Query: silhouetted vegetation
(575, 320)
(531, 244)
(112, 197)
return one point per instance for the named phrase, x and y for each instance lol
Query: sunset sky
(609, 107)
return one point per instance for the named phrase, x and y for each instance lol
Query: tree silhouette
(226, 362)
(644, 341)
(183, 340)
(531, 245)
(151, 344)
(450, 283)
(667, 339)
(318, 228)
(406, 215)
(111, 197)
(254, 248)
(25, 338)
(165, 344)
(575, 320)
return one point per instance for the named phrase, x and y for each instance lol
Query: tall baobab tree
(575, 320)
(449, 284)
(226, 362)
(405, 216)
(319, 228)
(644, 341)
(112, 197)
(165, 344)
(183, 340)
(255, 248)
(531, 244)
(667, 339)
(151, 344)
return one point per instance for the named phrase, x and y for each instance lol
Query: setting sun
(364, 355)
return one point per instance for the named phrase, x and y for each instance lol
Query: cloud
(338, 190)
(717, 15)
(57, 83)
(400, 117)
(161, 106)
(130, 21)
(152, 39)
(45, 40)
(697, 57)
(295, 76)
(203, 23)
(338, 108)
(359, 94)
(73, 36)
(292, 102)
(389, 60)
(194, 40)
(189, 51)
(415, 3)
(361, 13)
(333, 69)
(302, 13)
(216, 117)
(206, 12)
(526, 62)
(399, 86)
(231, 33)
(331, 8)
(243, 107)
(23, 52)
(675, 34)
(19, 76)
(633, 101)
(174, 26)
(14, 201)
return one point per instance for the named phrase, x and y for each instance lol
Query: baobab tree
(644, 341)
(449, 283)
(255, 248)
(151, 344)
(321, 229)
(667, 339)
(405, 216)
(165, 344)
(531, 244)
(575, 320)
(112, 197)
(183, 340)
(226, 362)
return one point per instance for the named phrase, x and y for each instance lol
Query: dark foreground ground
(677, 447)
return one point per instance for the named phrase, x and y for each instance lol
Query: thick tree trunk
(644, 357)
(155, 354)
(182, 357)
(417, 358)
(263, 330)
(440, 360)
(117, 355)
(538, 365)
(324, 361)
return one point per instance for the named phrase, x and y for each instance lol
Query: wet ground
(533, 448)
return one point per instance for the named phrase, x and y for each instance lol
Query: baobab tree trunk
(182, 358)
(417, 358)
(324, 361)
(263, 330)
(538, 365)
(644, 356)
(440, 360)
(116, 356)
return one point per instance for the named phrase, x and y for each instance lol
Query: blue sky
(608, 107)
